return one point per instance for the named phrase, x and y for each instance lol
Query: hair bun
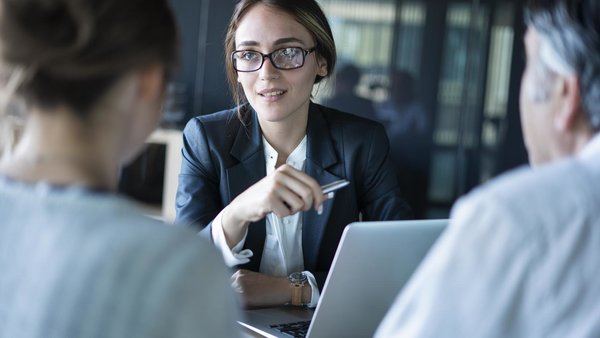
(72, 51)
(41, 34)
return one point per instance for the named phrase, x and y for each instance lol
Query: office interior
(462, 59)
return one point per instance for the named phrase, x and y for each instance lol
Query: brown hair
(306, 12)
(72, 51)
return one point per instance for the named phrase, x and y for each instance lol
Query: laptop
(372, 263)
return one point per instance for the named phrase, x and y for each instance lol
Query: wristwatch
(297, 281)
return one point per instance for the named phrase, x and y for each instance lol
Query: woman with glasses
(75, 259)
(251, 176)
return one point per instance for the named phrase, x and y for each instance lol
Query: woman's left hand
(259, 290)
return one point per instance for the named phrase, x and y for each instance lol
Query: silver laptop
(370, 267)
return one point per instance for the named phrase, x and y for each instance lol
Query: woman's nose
(268, 71)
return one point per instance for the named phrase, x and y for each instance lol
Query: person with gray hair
(520, 255)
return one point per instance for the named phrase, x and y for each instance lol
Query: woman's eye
(289, 52)
(248, 56)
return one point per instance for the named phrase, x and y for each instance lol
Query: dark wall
(513, 152)
(203, 24)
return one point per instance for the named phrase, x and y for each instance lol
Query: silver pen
(333, 186)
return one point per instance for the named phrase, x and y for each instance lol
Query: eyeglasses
(284, 58)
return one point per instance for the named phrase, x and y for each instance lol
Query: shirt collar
(296, 158)
(592, 148)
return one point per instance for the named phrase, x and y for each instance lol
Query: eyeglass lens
(285, 58)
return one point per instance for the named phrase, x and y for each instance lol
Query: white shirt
(282, 252)
(520, 259)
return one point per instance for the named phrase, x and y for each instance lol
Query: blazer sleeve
(380, 198)
(198, 200)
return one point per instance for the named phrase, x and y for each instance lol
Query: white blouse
(282, 252)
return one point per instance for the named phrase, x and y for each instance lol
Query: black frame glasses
(283, 58)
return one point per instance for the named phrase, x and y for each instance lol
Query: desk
(247, 333)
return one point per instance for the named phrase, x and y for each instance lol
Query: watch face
(297, 277)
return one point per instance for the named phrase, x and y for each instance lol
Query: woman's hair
(306, 12)
(570, 44)
(70, 52)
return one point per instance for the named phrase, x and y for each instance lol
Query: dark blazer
(222, 157)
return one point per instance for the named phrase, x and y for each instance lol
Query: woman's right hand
(285, 192)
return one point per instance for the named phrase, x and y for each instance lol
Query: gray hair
(570, 44)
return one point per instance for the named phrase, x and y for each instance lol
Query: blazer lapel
(320, 155)
(247, 149)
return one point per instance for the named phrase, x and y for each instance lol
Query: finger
(300, 182)
(319, 199)
(301, 176)
(235, 285)
(275, 200)
(286, 183)
(234, 276)
(297, 191)
(281, 209)
(316, 194)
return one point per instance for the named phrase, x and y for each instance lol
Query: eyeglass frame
(305, 52)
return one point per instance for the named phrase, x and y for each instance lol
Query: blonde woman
(76, 260)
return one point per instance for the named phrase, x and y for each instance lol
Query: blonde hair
(88, 47)
(91, 44)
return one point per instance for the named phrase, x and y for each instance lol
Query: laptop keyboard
(295, 329)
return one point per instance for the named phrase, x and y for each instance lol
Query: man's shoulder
(537, 197)
(524, 181)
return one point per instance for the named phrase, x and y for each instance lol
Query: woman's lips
(272, 94)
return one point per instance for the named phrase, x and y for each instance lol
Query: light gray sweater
(75, 263)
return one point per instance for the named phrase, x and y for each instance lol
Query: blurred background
(442, 75)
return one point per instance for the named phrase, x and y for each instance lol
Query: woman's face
(277, 95)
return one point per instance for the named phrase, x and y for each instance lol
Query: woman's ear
(322, 67)
(569, 110)
(151, 82)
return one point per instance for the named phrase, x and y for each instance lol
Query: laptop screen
(372, 263)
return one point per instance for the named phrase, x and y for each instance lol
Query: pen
(333, 186)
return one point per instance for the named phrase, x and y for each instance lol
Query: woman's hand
(258, 290)
(285, 192)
